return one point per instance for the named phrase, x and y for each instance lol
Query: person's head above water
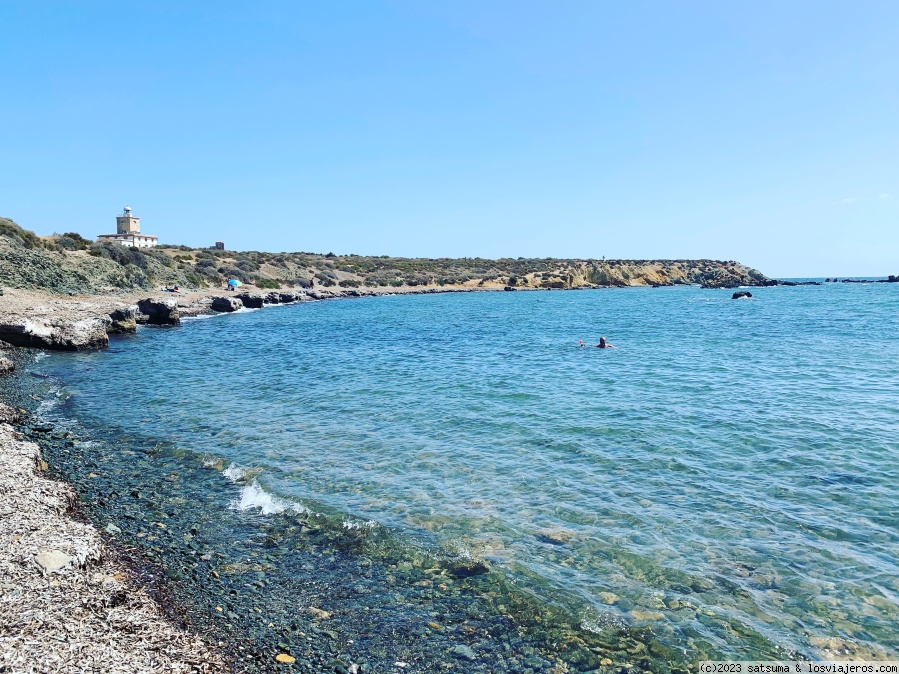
(602, 341)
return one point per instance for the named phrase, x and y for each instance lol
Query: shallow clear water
(729, 474)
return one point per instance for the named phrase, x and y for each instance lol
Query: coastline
(70, 602)
(93, 567)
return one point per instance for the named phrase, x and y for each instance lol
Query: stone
(509, 288)
(124, 321)
(160, 311)
(251, 300)
(6, 365)
(288, 297)
(319, 613)
(8, 415)
(57, 334)
(52, 561)
(226, 304)
(740, 294)
(285, 658)
(463, 651)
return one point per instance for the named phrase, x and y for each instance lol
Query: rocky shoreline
(69, 603)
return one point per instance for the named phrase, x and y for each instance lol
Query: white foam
(235, 473)
(355, 524)
(199, 317)
(254, 496)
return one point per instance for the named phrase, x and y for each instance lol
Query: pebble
(52, 561)
(283, 657)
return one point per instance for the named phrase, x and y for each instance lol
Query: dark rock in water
(288, 297)
(468, 569)
(8, 415)
(55, 333)
(160, 312)
(124, 320)
(742, 293)
(273, 298)
(252, 300)
(226, 304)
(508, 288)
(6, 366)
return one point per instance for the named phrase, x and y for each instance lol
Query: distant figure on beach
(603, 344)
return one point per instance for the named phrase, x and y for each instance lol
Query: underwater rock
(160, 311)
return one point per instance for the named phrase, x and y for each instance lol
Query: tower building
(128, 232)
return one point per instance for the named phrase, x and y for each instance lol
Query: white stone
(52, 561)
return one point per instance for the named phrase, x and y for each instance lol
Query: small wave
(199, 317)
(349, 525)
(235, 473)
(40, 355)
(254, 496)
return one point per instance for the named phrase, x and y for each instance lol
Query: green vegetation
(69, 262)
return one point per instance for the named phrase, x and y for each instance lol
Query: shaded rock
(52, 561)
(741, 293)
(124, 320)
(6, 365)
(509, 288)
(468, 569)
(288, 297)
(273, 298)
(8, 415)
(55, 333)
(226, 304)
(251, 300)
(160, 311)
(464, 652)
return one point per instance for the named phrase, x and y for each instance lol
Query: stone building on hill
(128, 232)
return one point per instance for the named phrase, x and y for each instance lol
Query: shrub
(268, 284)
(349, 283)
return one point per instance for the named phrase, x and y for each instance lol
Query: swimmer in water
(603, 344)
(580, 344)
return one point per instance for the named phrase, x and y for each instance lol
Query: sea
(449, 482)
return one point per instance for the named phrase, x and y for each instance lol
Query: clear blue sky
(759, 131)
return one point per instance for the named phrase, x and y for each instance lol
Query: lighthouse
(128, 232)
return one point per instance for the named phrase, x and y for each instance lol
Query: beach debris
(52, 561)
(285, 658)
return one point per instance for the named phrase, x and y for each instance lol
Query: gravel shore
(67, 603)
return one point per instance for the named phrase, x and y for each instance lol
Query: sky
(763, 132)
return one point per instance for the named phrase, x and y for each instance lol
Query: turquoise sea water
(728, 476)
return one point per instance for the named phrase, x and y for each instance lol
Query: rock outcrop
(740, 294)
(124, 320)
(252, 300)
(55, 333)
(159, 311)
(226, 304)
